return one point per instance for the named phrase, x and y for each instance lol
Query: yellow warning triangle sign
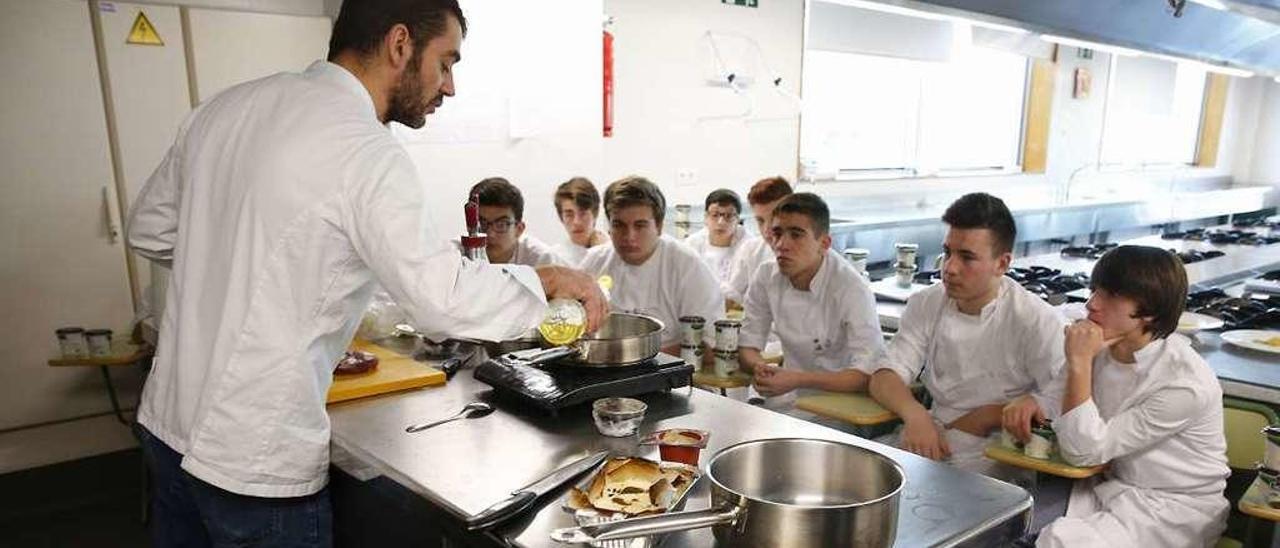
(143, 32)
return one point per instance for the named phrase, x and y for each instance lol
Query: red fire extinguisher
(608, 84)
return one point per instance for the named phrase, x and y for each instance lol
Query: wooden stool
(122, 354)
(856, 409)
(738, 379)
(1055, 466)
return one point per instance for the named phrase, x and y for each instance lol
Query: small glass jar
(72, 342)
(905, 274)
(727, 334)
(618, 417)
(726, 363)
(857, 257)
(907, 253)
(99, 342)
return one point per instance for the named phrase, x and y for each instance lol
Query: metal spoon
(473, 410)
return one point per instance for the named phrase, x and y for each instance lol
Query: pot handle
(650, 525)
(544, 356)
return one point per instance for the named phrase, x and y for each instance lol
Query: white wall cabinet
(62, 249)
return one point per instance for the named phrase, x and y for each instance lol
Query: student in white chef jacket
(653, 274)
(577, 206)
(988, 348)
(1139, 399)
(722, 234)
(502, 220)
(821, 308)
(763, 197)
(280, 204)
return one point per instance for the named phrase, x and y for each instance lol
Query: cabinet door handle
(113, 228)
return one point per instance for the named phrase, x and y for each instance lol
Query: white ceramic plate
(1191, 322)
(1252, 339)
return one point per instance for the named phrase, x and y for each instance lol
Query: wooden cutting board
(395, 372)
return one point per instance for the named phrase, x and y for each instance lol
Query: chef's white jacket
(718, 259)
(1158, 422)
(572, 253)
(832, 326)
(1012, 347)
(672, 283)
(281, 203)
(531, 251)
(752, 253)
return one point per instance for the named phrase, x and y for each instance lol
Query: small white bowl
(618, 417)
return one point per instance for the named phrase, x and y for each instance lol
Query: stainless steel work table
(465, 466)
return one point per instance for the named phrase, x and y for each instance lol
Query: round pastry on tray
(355, 362)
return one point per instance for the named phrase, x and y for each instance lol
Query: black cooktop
(1088, 251)
(1237, 237)
(555, 386)
(1236, 312)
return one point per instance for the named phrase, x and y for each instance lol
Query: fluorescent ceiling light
(1062, 40)
(1215, 4)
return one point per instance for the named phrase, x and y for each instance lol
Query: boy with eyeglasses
(722, 233)
(502, 220)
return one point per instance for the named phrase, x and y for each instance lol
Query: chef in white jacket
(1141, 400)
(722, 234)
(653, 274)
(821, 308)
(988, 349)
(762, 198)
(502, 220)
(279, 205)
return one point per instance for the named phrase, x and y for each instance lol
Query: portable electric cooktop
(562, 384)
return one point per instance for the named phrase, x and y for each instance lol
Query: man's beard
(408, 104)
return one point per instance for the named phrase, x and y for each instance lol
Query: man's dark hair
(634, 191)
(769, 189)
(809, 205)
(496, 191)
(1154, 278)
(724, 197)
(581, 192)
(982, 210)
(362, 24)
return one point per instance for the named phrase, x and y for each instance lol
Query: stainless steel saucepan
(624, 339)
(791, 492)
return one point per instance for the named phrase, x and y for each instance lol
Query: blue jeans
(187, 512)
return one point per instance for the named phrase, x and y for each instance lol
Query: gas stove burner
(1088, 251)
(1195, 234)
(1193, 256)
(1258, 222)
(1237, 312)
(1050, 284)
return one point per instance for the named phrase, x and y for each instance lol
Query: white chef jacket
(672, 283)
(572, 253)
(718, 259)
(832, 326)
(281, 203)
(1158, 422)
(531, 251)
(1011, 348)
(752, 253)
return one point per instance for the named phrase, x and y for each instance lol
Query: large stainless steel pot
(623, 340)
(791, 492)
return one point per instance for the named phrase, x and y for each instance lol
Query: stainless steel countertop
(465, 466)
(1244, 373)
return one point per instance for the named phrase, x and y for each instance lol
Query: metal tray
(591, 517)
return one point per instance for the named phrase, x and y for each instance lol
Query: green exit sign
(746, 3)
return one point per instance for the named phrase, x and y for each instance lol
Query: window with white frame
(1152, 112)
(869, 116)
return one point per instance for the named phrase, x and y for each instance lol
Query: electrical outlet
(686, 177)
